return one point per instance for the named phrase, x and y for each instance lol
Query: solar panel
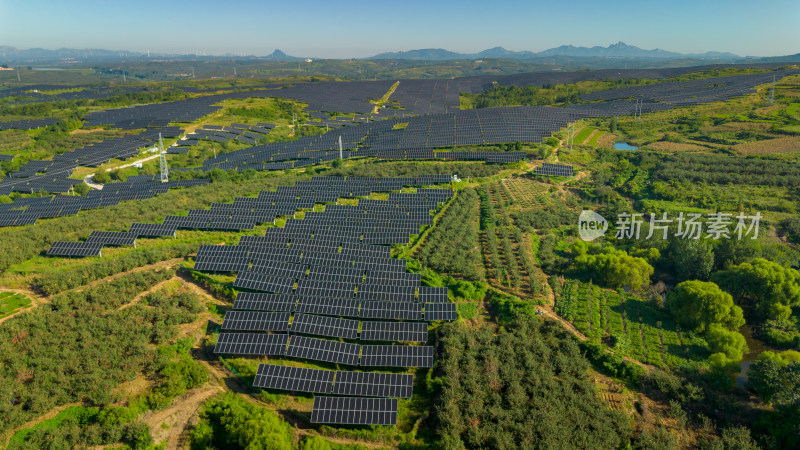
(258, 301)
(428, 294)
(391, 310)
(75, 249)
(323, 350)
(261, 282)
(373, 384)
(255, 321)
(299, 379)
(561, 170)
(354, 411)
(440, 311)
(397, 356)
(251, 344)
(112, 238)
(152, 230)
(344, 307)
(394, 331)
(324, 326)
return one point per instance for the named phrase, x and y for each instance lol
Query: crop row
(452, 246)
(629, 325)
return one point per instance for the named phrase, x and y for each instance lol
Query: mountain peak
(280, 56)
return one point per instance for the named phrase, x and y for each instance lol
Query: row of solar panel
(340, 382)
(325, 326)
(340, 307)
(315, 349)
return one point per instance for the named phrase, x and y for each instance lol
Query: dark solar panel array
(394, 331)
(440, 311)
(113, 238)
(255, 344)
(373, 384)
(22, 212)
(323, 350)
(256, 321)
(354, 411)
(362, 384)
(325, 326)
(285, 378)
(53, 175)
(75, 249)
(559, 170)
(689, 93)
(397, 356)
(28, 124)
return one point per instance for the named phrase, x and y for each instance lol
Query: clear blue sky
(358, 28)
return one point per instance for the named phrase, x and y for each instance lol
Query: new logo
(591, 225)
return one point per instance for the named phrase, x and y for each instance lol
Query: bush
(101, 177)
(231, 422)
(613, 364)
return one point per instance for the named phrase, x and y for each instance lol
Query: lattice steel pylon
(162, 160)
(772, 91)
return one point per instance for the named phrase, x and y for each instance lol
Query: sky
(358, 28)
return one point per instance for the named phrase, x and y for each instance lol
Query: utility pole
(18, 79)
(340, 147)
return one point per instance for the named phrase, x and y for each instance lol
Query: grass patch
(584, 134)
(595, 138)
(10, 302)
(467, 310)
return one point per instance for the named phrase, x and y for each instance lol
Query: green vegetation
(496, 385)
(80, 426)
(697, 305)
(231, 422)
(452, 246)
(611, 267)
(50, 356)
(627, 324)
(20, 244)
(60, 281)
(661, 317)
(11, 303)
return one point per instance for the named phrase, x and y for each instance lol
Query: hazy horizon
(323, 30)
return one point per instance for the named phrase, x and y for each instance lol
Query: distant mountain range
(618, 50)
(10, 54)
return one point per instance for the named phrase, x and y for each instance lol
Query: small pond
(755, 347)
(624, 146)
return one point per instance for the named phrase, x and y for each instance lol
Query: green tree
(218, 175)
(698, 304)
(81, 189)
(767, 288)
(239, 424)
(729, 252)
(774, 381)
(102, 177)
(614, 268)
(722, 340)
(692, 259)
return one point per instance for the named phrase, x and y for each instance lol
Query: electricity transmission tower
(772, 91)
(162, 160)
